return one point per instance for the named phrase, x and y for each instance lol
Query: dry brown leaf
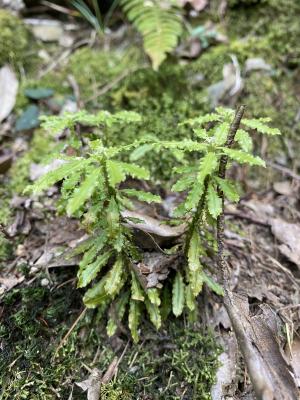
(289, 235)
(92, 385)
(8, 91)
(257, 336)
(8, 282)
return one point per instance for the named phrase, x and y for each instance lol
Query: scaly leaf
(261, 127)
(178, 295)
(243, 158)
(134, 319)
(142, 196)
(228, 188)
(90, 272)
(214, 203)
(137, 292)
(84, 191)
(114, 282)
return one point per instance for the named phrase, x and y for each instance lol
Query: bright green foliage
(91, 190)
(160, 24)
(178, 295)
(203, 186)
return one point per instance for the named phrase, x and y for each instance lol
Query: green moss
(14, 40)
(35, 320)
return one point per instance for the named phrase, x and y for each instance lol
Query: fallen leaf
(47, 30)
(289, 235)
(29, 119)
(284, 187)
(38, 93)
(92, 385)
(8, 91)
(7, 283)
(253, 64)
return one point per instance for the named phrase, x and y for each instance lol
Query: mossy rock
(14, 40)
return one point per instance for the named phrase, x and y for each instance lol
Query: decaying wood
(269, 372)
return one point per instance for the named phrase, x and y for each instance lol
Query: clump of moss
(14, 40)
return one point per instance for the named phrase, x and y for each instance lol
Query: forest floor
(49, 343)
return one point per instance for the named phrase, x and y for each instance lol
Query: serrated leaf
(93, 250)
(214, 202)
(194, 252)
(96, 295)
(194, 196)
(114, 282)
(201, 133)
(140, 151)
(84, 191)
(134, 319)
(261, 127)
(115, 172)
(190, 298)
(229, 189)
(214, 286)
(183, 183)
(221, 133)
(137, 292)
(196, 281)
(154, 314)
(243, 158)
(178, 295)
(86, 275)
(142, 196)
(135, 171)
(153, 296)
(244, 140)
(57, 175)
(118, 311)
(113, 217)
(203, 119)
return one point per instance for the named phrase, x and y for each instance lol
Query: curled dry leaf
(8, 91)
(289, 236)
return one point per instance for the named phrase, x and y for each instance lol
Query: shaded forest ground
(258, 56)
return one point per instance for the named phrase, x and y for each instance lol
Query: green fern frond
(158, 22)
(134, 316)
(178, 295)
(142, 196)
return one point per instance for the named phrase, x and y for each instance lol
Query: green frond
(114, 280)
(243, 138)
(190, 298)
(261, 126)
(135, 171)
(142, 196)
(84, 191)
(243, 158)
(134, 316)
(137, 292)
(159, 25)
(220, 133)
(214, 202)
(200, 121)
(154, 313)
(178, 295)
(115, 172)
(117, 313)
(97, 295)
(229, 189)
(86, 275)
(196, 281)
(113, 218)
(194, 252)
(214, 286)
(60, 173)
(153, 296)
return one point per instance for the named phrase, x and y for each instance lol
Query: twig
(284, 170)
(64, 339)
(222, 172)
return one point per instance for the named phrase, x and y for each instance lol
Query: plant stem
(197, 216)
(221, 173)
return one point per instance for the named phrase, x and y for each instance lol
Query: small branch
(222, 172)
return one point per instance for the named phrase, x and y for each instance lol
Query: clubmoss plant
(91, 191)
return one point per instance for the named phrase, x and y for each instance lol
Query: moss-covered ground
(177, 362)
